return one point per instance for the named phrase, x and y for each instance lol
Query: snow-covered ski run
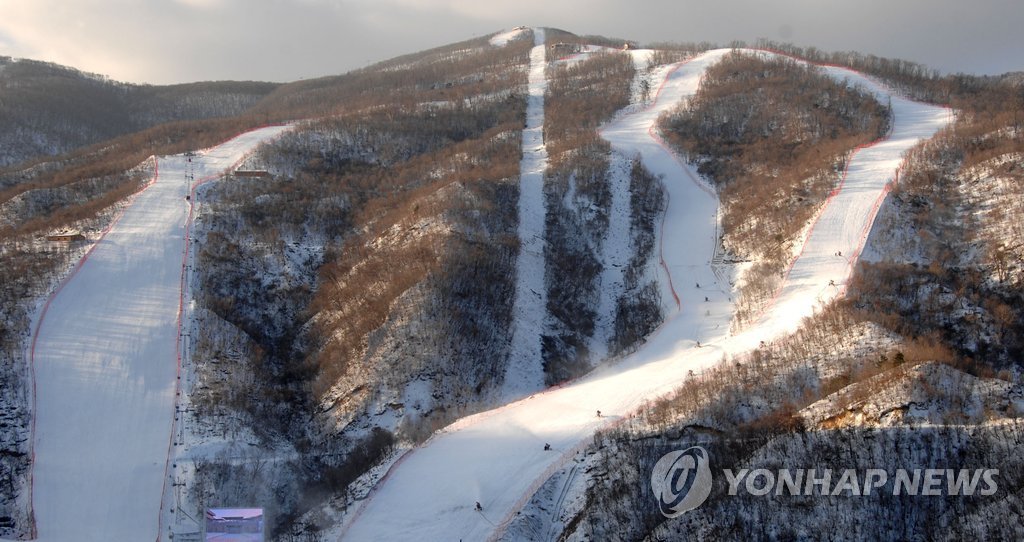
(497, 458)
(525, 373)
(105, 364)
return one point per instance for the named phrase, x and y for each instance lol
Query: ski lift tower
(190, 173)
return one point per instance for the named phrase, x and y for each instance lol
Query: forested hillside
(774, 136)
(918, 367)
(50, 110)
(355, 294)
(369, 278)
(947, 258)
(579, 191)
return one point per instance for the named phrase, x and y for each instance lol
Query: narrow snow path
(616, 251)
(688, 232)
(105, 364)
(525, 372)
(497, 457)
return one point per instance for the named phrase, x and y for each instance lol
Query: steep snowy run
(525, 372)
(497, 458)
(105, 362)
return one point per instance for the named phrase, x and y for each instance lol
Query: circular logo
(681, 481)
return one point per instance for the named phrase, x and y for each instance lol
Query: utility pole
(190, 171)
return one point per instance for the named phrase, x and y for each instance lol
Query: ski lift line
(42, 317)
(182, 290)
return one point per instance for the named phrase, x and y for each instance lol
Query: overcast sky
(169, 41)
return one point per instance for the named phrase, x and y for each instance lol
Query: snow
(931, 393)
(105, 365)
(616, 251)
(584, 52)
(497, 457)
(688, 237)
(525, 373)
(502, 38)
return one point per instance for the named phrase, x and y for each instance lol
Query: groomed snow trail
(688, 232)
(525, 372)
(497, 457)
(105, 365)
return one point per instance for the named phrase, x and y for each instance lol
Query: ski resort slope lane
(105, 364)
(688, 235)
(497, 458)
(525, 372)
(825, 264)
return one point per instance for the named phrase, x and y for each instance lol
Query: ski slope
(497, 457)
(105, 364)
(525, 373)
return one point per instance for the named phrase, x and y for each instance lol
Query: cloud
(163, 41)
(202, 4)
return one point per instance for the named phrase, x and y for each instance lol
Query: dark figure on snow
(478, 507)
(598, 413)
(547, 446)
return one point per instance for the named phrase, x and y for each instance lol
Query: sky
(175, 41)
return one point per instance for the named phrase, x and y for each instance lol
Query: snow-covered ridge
(501, 39)
(497, 458)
